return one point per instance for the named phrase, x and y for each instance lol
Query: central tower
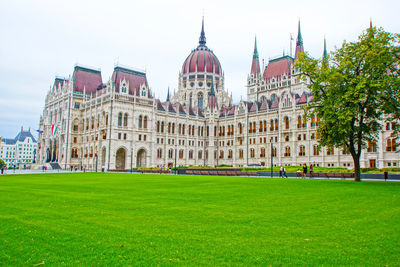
(200, 72)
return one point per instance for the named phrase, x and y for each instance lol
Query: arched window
(391, 145)
(315, 150)
(276, 125)
(299, 122)
(200, 154)
(302, 151)
(173, 128)
(145, 122)
(140, 121)
(181, 154)
(286, 119)
(158, 126)
(313, 120)
(287, 152)
(191, 154)
(240, 153)
(200, 101)
(162, 126)
(371, 146)
(120, 119)
(262, 153)
(252, 153)
(330, 151)
(304, 121)
(170, 153)
(221, 154)
(159, 153)
(271, 127)
(261, 127)
(125, 119)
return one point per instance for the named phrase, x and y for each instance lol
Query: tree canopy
(356, 91)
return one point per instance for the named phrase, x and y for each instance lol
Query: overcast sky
(44, 38)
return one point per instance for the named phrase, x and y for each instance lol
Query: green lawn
(128, 219)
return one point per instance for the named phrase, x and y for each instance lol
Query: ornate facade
(120, 125)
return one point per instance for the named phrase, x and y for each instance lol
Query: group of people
(305, 170)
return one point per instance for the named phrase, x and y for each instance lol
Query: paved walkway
(13, 172)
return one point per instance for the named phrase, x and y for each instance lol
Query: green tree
(2, 163)
(356, 91)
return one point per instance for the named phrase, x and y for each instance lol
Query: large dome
(202, 59)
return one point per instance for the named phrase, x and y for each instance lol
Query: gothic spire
(370, 23)
(255, 65)
(168, 95)
(255, 54)
(299, 44)
(299, 37)
(325, 54)
(202, 39)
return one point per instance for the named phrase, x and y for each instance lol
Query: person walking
(304, 170)
(281, 172)
(311, 170)
(284, 172)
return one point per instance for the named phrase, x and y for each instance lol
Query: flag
(53, 129)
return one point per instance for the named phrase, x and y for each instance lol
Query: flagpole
(291, 45)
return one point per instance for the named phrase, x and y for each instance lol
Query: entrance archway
(141, 159)
(120, 159)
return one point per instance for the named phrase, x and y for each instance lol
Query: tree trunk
(357, 171)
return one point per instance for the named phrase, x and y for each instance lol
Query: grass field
(125, 219)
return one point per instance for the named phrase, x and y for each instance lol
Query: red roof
(88, 79)
(277, 67)
(202, 59)
(135, 79)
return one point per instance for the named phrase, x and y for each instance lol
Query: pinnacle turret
(325, 54)
(168, 95)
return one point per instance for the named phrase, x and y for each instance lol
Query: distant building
(120, 125)
(19, 151)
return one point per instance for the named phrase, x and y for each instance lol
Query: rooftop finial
(202, 39)
(370, 23)
(325, 54)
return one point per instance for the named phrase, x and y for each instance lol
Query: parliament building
(119, 125)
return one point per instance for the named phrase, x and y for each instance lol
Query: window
(191, 154)
(330, 151)
(200, 154)
(315, 150)
(145, 122)
(276, 125)
(119, 119)
(286, 119)
(124, 136)
(391, 145)
(252, 153)
(140, 121)
(159, 153)
(287, 151)
(181, 154)
(125, 119)
(262, 153)
(170, 153)
(299, 122)
(371, 146)
(158, 126)
(388, 126)
(119, 136)
(302, 151)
